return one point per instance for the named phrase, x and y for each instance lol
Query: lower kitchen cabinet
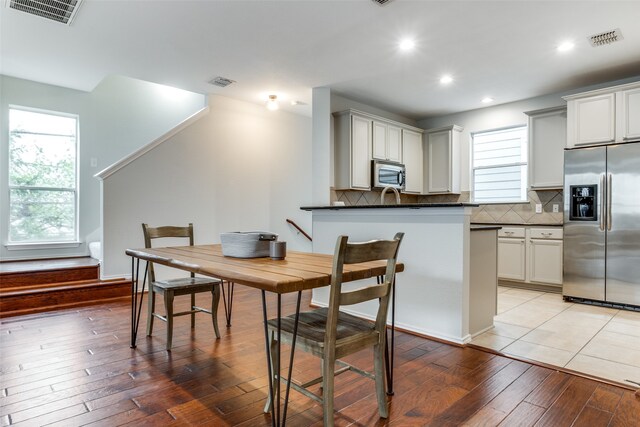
(512, 254)
(545, 258)
(530, 255)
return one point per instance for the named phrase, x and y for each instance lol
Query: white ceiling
(502, 49)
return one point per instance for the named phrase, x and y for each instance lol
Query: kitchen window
(499, 159)
(43, 177)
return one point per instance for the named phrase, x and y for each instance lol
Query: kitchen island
(449, 287)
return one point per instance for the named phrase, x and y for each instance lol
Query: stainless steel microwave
(387, 174)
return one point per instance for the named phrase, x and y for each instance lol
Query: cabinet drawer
(511, 232)
(545, 233)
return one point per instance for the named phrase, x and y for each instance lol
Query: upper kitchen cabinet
(361, 137)
(630, 122)
(413, 161)
(387, 142)
(604, 116)
(547, 139)
(442, 160)
(353, 138)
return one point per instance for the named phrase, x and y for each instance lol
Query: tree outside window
(43, 174)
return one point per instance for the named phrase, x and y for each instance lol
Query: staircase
(44, 285)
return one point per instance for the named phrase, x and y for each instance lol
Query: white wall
(498, 116)
(119, 116)
(238, 168)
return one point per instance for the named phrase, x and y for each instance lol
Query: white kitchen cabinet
(352, 151)
(630, 114)
(545, 261)
(593, 120)
(442, 160)
(512, 253)
(360, 137)
(413, 158)
(547, 140)
(530, 254)
(387, 142)
(604, 116)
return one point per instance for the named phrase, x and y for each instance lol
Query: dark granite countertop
(401, 206)
(517, 224)
(484, 227)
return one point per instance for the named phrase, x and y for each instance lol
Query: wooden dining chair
(176, 287)
(331, 334)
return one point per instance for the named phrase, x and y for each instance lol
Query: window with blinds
(43, 176)
(500, 165)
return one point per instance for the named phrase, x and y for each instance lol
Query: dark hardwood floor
(75, 367)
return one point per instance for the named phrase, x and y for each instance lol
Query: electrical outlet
(538, 207)
(556, 208)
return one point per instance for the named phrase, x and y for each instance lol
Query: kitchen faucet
(384, 191)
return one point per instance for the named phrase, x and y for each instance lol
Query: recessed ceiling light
(446, 79)
(487, 100)
(565, 47)
(407, 44)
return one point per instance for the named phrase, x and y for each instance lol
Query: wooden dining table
(298, 272)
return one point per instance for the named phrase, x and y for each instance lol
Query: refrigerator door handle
(609, 185)
(602, 201)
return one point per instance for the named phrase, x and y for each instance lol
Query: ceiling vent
(56, 10)
(221, 81)
(381, 2)
(605, 38)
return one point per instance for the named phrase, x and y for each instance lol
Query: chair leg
(168, 303)
(379, 371)
(151, 296)
(328, 368)
(273, 348)
(193, 315)
(215, 300)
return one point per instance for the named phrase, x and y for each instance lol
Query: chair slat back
(152, 233)
(352, 253)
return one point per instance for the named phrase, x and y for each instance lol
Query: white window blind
(500, 165)
(43, 176)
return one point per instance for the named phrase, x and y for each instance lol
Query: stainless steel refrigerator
(602, 224)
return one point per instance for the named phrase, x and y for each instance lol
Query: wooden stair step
(53, 297)
(43, 272)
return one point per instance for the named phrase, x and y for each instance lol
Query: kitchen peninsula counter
(449, 287)
(400, 206)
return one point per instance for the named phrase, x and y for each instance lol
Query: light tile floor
(540, 326)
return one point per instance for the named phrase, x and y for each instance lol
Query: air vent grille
(56, 10)
(221, 81)
(381, 2)
(605, 38)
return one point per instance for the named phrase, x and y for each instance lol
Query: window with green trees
(43, 176)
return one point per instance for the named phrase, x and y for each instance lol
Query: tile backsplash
(516, 213)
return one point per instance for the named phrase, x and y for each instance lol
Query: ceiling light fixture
(487, 100)
(446, 79)
(565, 47)
(272, 103)
(407, 45)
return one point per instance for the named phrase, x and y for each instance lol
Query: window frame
(525, 180)
(45, 244)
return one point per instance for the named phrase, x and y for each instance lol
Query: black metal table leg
(393, 336)
(136, 308)
(266, 340)
(293, 349)
(227, 300)
(274, 388)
